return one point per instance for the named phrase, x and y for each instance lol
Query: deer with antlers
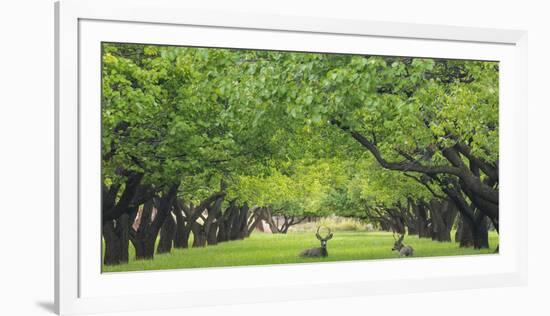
(404, 251)
(319, 251)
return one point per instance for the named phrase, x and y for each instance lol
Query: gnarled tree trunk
(141, 238)
(149, 222)
(167, 234)
(212, 221)
(422, 220)
(181, 239)
(464, 232)
(115, 234)
(481, 232)
(224, 225)
(199, 235)
(443, 214)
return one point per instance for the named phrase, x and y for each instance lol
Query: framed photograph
(207, 157)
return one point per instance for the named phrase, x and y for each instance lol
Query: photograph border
(68, 298)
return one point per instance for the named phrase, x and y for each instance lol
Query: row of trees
(210, 141)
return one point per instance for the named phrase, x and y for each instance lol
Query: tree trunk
(242, 229)
(212, 235)
(422, 222)
(412, 230)
(212, 221)
(192, 214)
(199, 235)
(464, 232)
(224, 225)
(186, 235)
(443, 214)
(254, 221)
(112, 251)
(184, 223)
(481, 232)
(142, 240)
(222, 231)
(235, 231)
(111, 210)
(167, 235)
(115, 235)
(396, 220)
(145, 249)
(385, 226)
(181, 239)
(284, 228)
(233, 224)
(150, 222)
(473, 233)
(268, 218)
(124, 222)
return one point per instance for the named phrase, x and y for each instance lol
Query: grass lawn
(262, 248)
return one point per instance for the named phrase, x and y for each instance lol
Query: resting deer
(403, 250)
(320, 251)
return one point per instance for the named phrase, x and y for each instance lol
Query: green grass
(262, 249)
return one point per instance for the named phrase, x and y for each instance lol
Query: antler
(327, 237)
(401, 238)
(317, 233)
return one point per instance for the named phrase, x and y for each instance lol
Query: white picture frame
(81, 25)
